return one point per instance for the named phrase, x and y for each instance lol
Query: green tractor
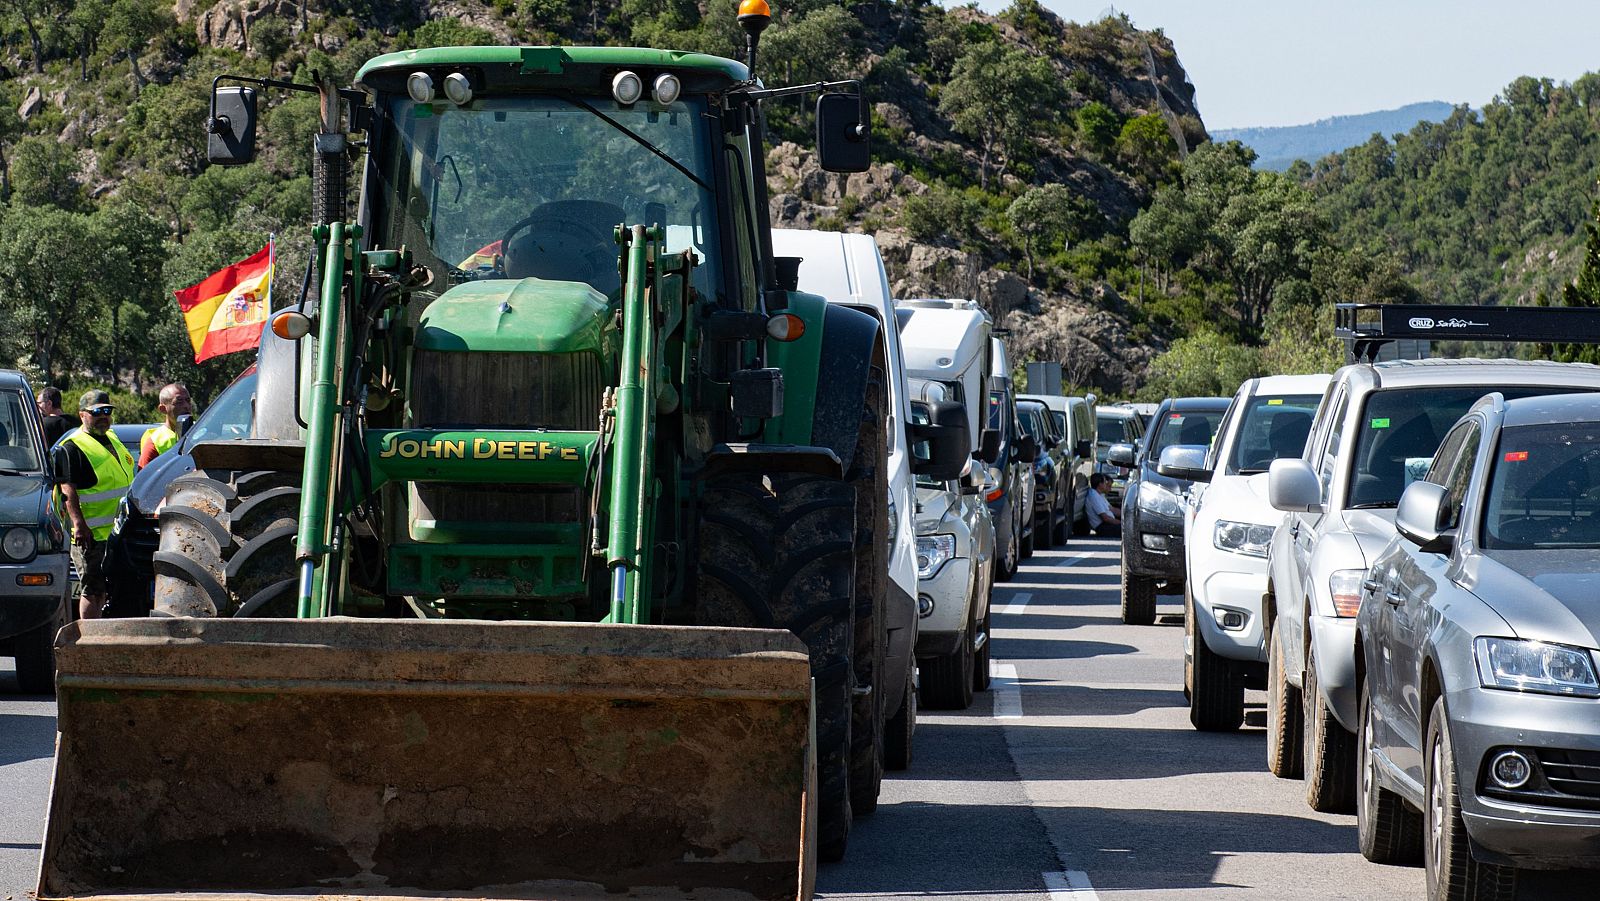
(556, 556)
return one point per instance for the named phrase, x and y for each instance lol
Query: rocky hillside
(1012, 151)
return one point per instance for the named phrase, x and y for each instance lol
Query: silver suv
(1376, 432)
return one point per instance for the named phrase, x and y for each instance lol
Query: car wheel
(1447, 855)
(1386, 829)
(1216, 694)
(36, 657)
(1330, 750)
(1025, 543)
(946, 682)
(1060, 527)
(1043, 534)
(1138, 599)
(1285, 757)
(901, 728)
(980, 664)
(1007, 568)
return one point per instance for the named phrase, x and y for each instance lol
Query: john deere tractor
(556, 557)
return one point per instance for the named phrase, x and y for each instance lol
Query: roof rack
(1369, 326)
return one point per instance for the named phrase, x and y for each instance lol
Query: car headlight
(1247, 538)
(1517, 664)
(19, 542)
(1161, 501)
(932, 552)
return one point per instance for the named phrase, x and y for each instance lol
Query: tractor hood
(529, 315)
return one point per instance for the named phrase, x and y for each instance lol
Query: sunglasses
(99, 411)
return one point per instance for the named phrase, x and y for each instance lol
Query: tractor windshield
(533, 186)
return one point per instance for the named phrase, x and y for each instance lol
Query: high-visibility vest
(113, 473)
(162, 437)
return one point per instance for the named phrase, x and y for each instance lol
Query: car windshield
(1188, 427)
(1399, 431)
(1110, 430)
(1274, 426)
(1544, 488)
(533, 186)
(229, 415)
(17, 444)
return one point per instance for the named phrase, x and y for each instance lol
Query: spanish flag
(225, 312)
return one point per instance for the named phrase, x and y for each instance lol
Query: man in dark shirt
(93, 471)
(55, 419)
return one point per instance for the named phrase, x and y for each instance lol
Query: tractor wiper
(640, 141)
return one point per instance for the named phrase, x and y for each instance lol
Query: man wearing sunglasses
(93, 471)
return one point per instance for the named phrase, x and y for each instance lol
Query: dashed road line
(1019, 603)
(1071, 885)
(1007, 691)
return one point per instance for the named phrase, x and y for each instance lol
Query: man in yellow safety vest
(158, 439)
(93, 471)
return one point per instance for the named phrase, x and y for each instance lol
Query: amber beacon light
(754, 17)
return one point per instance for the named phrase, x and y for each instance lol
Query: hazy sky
(1286, 62)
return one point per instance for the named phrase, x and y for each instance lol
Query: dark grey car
(33, 548)
(1478, 640)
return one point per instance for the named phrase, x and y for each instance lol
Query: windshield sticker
(1275, 402)
(1381, 423)
(1516, 456)
(1176, 417)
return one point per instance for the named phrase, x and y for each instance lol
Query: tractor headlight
(932, 552)
(420, 86)
(1517, 664)
(667, 89)
(1161, 501)
(627, 88)
(1247, 538)
(19, 543)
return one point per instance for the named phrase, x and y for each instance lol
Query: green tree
(1203, 364)
(129, 26)
(1097, 126)
(1146, 147)
(1002, 98)
(44, 172)
(449, 33)
(52, 288)
(1050, 213)
(821, 45)
(1583, 291)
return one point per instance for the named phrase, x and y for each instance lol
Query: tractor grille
(459, 390)
(500, 505)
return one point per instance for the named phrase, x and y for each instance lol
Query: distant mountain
(1278, 147)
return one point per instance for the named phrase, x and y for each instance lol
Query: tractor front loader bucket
(219, 757)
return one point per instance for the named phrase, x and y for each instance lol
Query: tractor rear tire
(869, 476)
(227, 544)
(776, 551)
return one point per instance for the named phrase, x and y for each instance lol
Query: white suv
(1227, 535)
(1375, 432)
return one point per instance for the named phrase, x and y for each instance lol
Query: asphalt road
(1077, 777)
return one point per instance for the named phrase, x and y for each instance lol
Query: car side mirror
(1083, 448)
(971, 483)
(1120, 455)
(1420, 515)
(185, 422)
(231, 129)
(941, 444)
(1293, 487)
(1184, 461)
(1027, 449)
(843, 143)
(989, 446)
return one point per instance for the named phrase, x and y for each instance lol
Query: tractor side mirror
(940, 439)
(842, 138)
(989, 446)
(1027, 449)
(231, 130)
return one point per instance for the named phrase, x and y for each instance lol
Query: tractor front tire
(227, 544)
(776, 551)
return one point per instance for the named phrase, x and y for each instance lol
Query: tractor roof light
(458, 89)
(420, 86)
(627, 88)
(667, 89)
(291, 325)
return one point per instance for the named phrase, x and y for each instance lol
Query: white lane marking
(1019, 603)
(1007, 691)
(1073, 560)
(1071, 885)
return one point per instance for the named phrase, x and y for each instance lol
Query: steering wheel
(567, 240)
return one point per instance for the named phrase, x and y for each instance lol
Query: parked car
(33, 546)
(1153, 508)
(847, 269)
(129, 433)
(1116, 424)
(1009, 490)
(1477, 643)
(130, 577)
(1052, 474)
(1228, 532)
(1074, 419)
(1376, 432)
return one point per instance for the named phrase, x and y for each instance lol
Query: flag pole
(272, 267)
